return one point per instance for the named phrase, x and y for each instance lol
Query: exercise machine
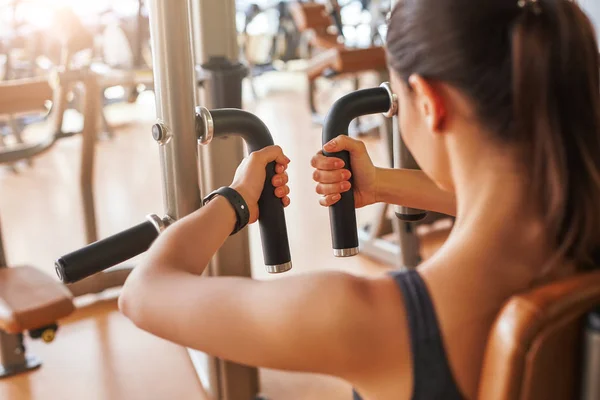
(124, 54)
(376, 10)
(331, 59)
(184, 34)
(123, 246)
(31, 301)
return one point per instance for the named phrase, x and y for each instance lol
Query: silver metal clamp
(159, 223)
(393, 111)
(205, 127)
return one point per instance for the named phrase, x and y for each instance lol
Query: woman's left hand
(251, 174)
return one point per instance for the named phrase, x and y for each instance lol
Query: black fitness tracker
(238, 203)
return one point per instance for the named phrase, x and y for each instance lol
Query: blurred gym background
(78, 163)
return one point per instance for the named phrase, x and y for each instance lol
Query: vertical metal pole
(91, 104)
(174, 84)
(215, 38)
(174, 88)
(12, 353)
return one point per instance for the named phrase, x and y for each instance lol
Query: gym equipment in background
(40, 301)
(116, 249)
(124, 54)
(350, 17)
(269, 38)
(331, 59)
(31, 301)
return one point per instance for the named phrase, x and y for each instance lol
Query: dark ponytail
(556, 97)
(532, 71)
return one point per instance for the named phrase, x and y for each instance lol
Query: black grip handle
(344, 230)
(106, 253)
(273, 229)
(342, 215)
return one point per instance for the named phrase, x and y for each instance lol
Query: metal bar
(91, 104)
(173, 84)
(215, 36)
(13, 358)
(12, 352)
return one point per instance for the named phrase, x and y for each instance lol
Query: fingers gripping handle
(342, 216)
(106, 253)
(273, 230)
(344, 230)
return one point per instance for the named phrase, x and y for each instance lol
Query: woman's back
(454, 298)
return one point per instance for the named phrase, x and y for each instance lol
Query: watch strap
(237, 202)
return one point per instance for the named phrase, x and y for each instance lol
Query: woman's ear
(429, 102)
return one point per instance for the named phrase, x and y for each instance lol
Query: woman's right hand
(332, 176)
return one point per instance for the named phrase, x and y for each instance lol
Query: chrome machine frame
(175, 53)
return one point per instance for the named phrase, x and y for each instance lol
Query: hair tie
(534, 4)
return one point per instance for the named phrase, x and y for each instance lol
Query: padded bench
(30, 301)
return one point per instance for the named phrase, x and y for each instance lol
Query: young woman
(500, 105)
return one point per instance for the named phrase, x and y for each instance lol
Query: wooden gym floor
(98, 354)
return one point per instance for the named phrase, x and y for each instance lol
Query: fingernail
(339, 164)
(345, 185)
(277, 181)
(336, 197)
(331, 144)
(279, 191)
(288, 160)
(346, 174)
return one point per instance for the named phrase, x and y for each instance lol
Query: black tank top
(433, 378)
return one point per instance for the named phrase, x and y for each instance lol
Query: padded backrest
(534, 349)
(24, 96)
(308, 16)
(347, 61)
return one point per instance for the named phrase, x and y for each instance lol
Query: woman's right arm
(412, 188)
(409, 188)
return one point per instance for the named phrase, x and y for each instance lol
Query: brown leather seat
(534, 349)
(25, 95)
(30, 299)
(347, 61)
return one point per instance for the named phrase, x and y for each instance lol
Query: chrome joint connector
(393, 111)
(205, 126)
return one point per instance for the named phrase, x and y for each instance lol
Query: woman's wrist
(378, 195)
(384, 184)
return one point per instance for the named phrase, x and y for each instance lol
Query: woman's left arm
(313, 322)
